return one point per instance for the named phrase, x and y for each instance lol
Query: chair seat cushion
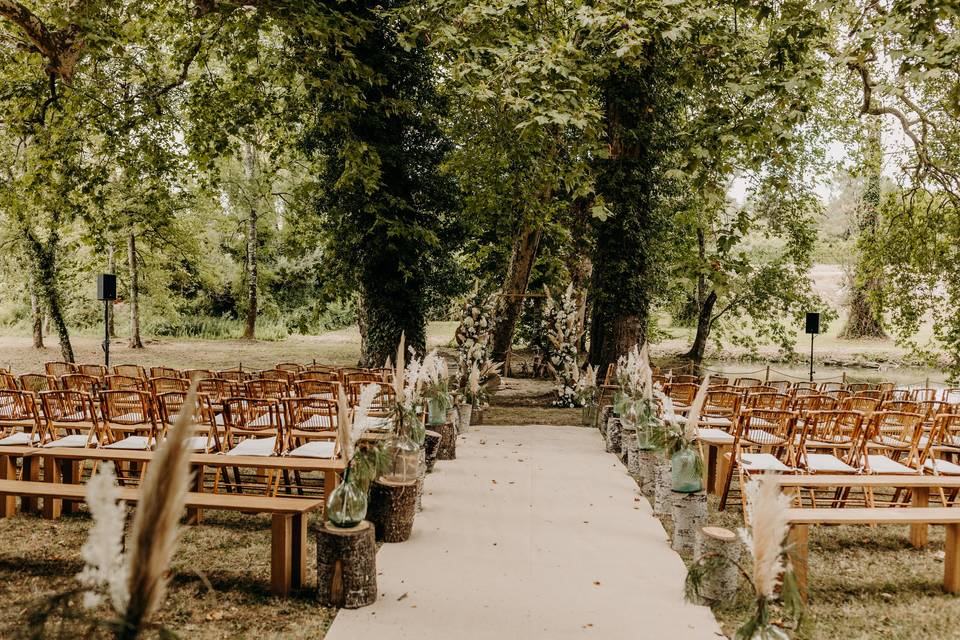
(254, 447)
(197, 443)
(763, 462)
(315, 449)
(718, 436)
(77, 440)
(883, 464)
(826, 463)
(716, 421)
(19, 439)
(134, 443)
(943, 467)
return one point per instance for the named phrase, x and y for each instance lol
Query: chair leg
(728, 477)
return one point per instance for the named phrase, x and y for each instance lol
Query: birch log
(613, 435)
(720, 585)
(689, 515)
(663, 487)
(628, 446)
(646, 465)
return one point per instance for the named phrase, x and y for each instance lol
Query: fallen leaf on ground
(402, 597)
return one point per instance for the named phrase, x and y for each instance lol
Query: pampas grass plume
(769, 526)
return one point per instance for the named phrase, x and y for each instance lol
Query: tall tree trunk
(45, 275)
(111, 269)
(865, 319)
(580, 266)
(512, 294)
(250, 173)
(36, 315)
(135, 341)
(639, 106)
(704, 324)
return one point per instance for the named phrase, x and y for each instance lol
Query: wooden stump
(646, 464)
(448, 442)
(393, 505)
(720, 585)
(689, 515)
(466, 413)
(633, 455)
(453, 417)
(605, 414)
(628, 445)
(346, 566)
(477, 417)
(432, 445)
(663, 487)
(613, 435)
(421, 477)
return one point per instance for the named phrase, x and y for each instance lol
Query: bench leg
(72, 473)
(951, 560)
(299, 551)
(195, 514)
(720, 475)
(31, 473)
(711, 469)
(798, 553)
(51, 473)
(918, 532)
(8, 471)
(281, 554)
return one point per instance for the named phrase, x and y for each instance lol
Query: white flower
(105, 566)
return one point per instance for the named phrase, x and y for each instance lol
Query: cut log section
(689, 515)
(613, 435)
(432, 445)
(723, 547)
(393, 505)
(346, 566)
(646, 465)
(662, 487)
(628, 447)
(448, 442)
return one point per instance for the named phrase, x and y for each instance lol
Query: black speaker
(106, 286)
(813, 322)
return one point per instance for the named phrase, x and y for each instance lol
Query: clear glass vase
(588, 415)
(347, 504)
(403, 455)
(686, 474)
(770, 632)
(436, 411)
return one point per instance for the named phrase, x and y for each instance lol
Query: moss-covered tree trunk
(865, 314)
(638, 106)
(111, 269)
(43, 257)
(36, 315)
(250, 173)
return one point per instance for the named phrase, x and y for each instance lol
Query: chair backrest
(383, 401)
(58, 369)
(682, 393)
(213, 388)
(165, 372)
(120, 382)
(37, 382)
(292, 367)
(922, 395)
(722, 404)
(8, 381)
(870, 393)
(164, 384)
(719, 381)
(899, 394)
(747, 382)
(95, 370)
(804, 385)
(80, 382)
(856, 387)
(171, 403)
(686, 379)
(907, 406)
(611, 373)
(317, 389)
(764, 428)
(839, 428)
(234, 375)
(831, 386)
(277, 374)
(901, 425)
(930, 409)
(363, 376)
(311, 415)
(799, 392)
(130, 370)
(18, 409)
(195, 374)
(839, 395)
(768, 400)
(251, 417)
(127, 408)
(267, 388)
(859, 403)
(805, 404)
(320, 376)
(783, 386)
(69, 410)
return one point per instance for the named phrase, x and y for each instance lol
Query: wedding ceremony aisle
(533, 531)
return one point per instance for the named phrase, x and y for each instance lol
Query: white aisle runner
(533, 532)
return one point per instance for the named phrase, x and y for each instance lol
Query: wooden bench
(918, 485)
(288, 556)
(801, 519)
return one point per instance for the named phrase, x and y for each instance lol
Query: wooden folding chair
(20, 424)
(165, 384)
(253, 428)
(165, 372)
(767, 400)
(267, 388)
(59, 369)
(206, 436)
(37, 382)
(130, 370)
(763, 443)
(98, 371)
(129, 420)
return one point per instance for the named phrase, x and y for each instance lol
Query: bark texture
(720, 585)
(447, 449)
(111, 269)
(132, 262)
(689, 515)
(251, 173)
(393, 506)
(510, 304)
(346, 566)
(36, 315)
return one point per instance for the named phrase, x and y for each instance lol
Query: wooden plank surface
(222, 501)
(881, 515)
(841, 480)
